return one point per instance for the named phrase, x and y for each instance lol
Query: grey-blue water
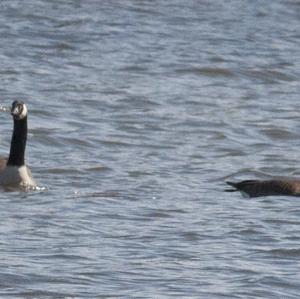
(138, 111)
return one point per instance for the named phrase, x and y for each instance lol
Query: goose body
(17, 176)
(13, 171)
(256, 188)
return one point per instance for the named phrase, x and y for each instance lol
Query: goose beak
(15, 110)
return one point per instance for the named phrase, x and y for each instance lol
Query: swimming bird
(256, 188)
(13, 171)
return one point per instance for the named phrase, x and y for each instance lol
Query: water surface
(138, 112)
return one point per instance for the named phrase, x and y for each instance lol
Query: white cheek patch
(24, 112)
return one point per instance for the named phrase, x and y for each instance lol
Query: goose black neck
(18, 143)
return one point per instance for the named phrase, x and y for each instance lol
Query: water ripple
(138, 113)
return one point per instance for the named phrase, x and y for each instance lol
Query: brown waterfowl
(256, 188)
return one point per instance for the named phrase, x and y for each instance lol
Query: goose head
(18, 110)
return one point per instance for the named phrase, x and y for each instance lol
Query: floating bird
(256, 188)
(13, 171)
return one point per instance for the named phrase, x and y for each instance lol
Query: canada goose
(256, 188)
(13, 171)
